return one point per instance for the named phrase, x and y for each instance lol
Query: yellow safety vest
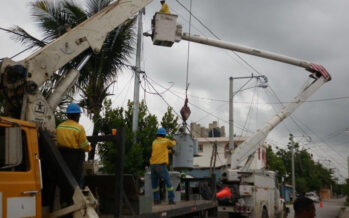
(71, 134)
(159, 154)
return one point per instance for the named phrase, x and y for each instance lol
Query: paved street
(330, 209)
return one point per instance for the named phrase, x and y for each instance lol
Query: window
(201, 147)
(13, 149)
(263, 155)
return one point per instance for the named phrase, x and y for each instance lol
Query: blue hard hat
(73, 109)
(161, 131)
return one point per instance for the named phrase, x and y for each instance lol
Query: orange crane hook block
(185, 111)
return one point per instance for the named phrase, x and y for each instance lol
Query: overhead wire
(160, 95)
(217, 37)
(188, 56)
(235, 93)
(289, 130)
(254, 69)
(194, 105)
(221, 119)
(297, 121)
(249, 110)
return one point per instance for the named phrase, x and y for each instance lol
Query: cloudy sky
(316, 31)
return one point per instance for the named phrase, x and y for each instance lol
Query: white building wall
(205, 153)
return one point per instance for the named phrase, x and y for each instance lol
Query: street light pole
(293, 171)
(231, 115)
(231, 106)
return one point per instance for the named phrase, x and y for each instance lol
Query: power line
(202, 110)
(249, 110)
(269, 103)
(292, 118)
(216, 36)
(206, 27)
(207, 112)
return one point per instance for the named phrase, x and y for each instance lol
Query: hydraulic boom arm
(30, 73)
(166, 32)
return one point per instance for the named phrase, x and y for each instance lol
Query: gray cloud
(311, 30)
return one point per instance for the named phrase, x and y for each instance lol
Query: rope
(188, 57)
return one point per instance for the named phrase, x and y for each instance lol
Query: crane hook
(185, 111)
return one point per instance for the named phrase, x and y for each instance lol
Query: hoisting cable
(185, 111)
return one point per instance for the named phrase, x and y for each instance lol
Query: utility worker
(164, 7)
(72, 143)
(158, 165)
(304, 208)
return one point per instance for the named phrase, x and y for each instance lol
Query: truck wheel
(265, 213)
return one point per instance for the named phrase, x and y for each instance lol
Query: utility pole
(231, 115)
(137, 74)
(293, 173)
(231, 105)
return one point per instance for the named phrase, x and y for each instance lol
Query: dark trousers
(159, 171)
(74, 158)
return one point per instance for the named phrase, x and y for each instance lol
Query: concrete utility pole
(231, 104)
(231, 115)
(137, 73)
(293, 173)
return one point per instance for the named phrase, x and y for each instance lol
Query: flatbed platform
(180, 209)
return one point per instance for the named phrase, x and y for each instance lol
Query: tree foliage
(310, 175)
(137, 154)
(275, 163)
(170, 122)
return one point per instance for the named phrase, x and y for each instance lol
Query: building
(286, 192)
(198, 131)
(201, 162)
(205, 147)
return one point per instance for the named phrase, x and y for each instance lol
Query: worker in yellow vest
(158, 165)
(72, 143)
(164, 7)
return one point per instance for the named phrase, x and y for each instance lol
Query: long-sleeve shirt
(159, 154)
(164, 9)
(71, 134)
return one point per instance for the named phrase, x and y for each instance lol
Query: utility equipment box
(184, 151)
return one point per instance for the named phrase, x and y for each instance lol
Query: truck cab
(20, 169)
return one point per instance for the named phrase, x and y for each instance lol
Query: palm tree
(54, 19)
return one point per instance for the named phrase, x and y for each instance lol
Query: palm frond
(75, 13)
(93, 6)
(51, 18)
(20, 35)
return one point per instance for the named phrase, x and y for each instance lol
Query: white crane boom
(20, 81)
(41, 65)
(167, 36)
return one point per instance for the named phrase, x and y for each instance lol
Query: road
(330, 209)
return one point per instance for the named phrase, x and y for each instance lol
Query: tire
(265, 213)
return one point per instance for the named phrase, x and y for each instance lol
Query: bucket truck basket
(165, 29)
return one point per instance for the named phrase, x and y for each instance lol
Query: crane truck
(30, 116)
(253, 192)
